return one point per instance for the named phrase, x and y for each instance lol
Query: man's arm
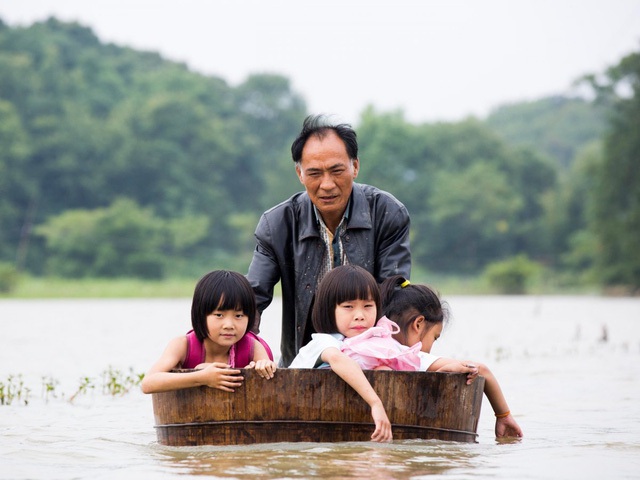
(264, 271)
(394, 254)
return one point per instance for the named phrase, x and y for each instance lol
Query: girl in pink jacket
(420, 316)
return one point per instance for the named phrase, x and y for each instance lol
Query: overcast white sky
(436, 60)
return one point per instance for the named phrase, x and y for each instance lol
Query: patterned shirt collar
(334, 254)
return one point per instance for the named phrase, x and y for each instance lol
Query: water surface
(568, 366)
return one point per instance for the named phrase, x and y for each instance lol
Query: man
(333, 222)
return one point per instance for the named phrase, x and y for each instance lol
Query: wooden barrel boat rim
(315, 422)
(442, 407)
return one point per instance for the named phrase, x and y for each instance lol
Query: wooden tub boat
(315, 405)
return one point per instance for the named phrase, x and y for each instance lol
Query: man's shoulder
(294, 203)
(375, 195)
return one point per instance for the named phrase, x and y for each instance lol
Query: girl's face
(432, 333)
(355, 316)
(226, 327)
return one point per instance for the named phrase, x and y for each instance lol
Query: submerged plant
(86, 384)
(114, 382)
(117, 383)
(14, 389)
(49, 386)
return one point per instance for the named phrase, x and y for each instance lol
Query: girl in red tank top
(223, 312)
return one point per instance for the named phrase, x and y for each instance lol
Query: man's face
(327, 173)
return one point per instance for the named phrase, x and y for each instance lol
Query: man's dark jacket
(290, 249)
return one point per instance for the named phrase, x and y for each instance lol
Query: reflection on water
(401, 459)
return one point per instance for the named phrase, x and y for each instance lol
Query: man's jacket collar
(359, 217)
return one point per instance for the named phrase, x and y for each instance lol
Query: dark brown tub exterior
(305, 405)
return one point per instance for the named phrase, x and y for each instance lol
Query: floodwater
(568, 366)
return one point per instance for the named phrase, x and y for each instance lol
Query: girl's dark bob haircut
(221, 290)
(342, 284)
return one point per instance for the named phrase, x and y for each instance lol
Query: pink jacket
(376, 347)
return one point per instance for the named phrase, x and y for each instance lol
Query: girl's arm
(506, 426)
(159, 378)
(455, 366)
(347, 369)
(265, 367)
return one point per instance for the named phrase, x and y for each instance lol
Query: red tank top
(240, 355)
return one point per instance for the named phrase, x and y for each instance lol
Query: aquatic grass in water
(14, 389)
(86, 384)
(114, 383)
(49, 387)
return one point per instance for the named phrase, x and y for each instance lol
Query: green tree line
(115, 162)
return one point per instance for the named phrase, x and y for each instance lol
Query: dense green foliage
(118, 163)
(472, 198)
(84, 124)
(105, 242)
(8, 277)
(557, 126)
(511, 276)
(615, 204)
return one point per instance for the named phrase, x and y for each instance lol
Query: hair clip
(405, 283)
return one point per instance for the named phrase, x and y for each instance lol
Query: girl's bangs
(230, 300)
(358, 288)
